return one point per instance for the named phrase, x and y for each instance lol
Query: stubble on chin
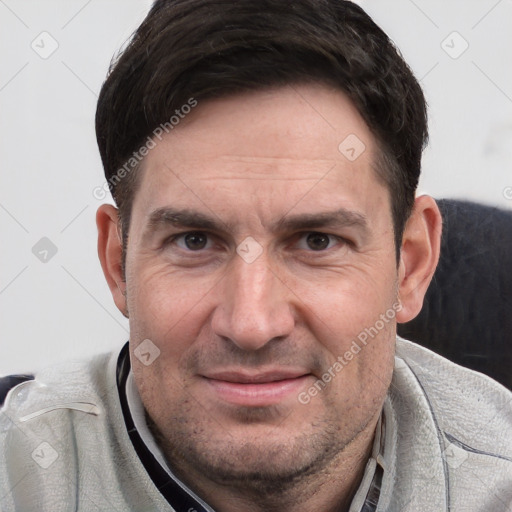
(253, 464)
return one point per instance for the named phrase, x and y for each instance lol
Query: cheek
(168, 309)
(354, 321)
(346, 304)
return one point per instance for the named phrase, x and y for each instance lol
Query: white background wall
(49, 163)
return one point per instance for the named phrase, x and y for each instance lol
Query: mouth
(256, 389)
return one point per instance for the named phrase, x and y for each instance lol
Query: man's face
(258, 252)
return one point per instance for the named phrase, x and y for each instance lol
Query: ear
(110, 252)
(419, 256)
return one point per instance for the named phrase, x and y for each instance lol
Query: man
(264, 158)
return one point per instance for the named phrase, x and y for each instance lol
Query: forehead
(304, 143)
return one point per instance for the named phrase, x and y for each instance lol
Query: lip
(256, 389)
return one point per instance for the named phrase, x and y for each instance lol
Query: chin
(261, 464)
(255, 457)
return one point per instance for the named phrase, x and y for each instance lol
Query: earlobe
(110, 252)
(419, 256)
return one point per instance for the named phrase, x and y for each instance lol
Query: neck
(330, 488)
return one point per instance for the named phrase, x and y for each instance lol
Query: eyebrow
(185, 218)
(335, 219)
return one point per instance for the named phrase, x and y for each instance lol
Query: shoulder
(469, 407)
(64, 444)
(60, 383)
(47, 425)
(450, 432)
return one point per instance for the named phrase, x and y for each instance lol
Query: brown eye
(318, 241)
(195, 241)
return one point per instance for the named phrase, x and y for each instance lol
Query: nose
(255, 306)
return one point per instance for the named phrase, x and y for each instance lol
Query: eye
(318, 241)
(193, 241)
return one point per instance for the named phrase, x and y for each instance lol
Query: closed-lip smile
(256, 388)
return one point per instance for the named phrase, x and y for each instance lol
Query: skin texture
(251, 163)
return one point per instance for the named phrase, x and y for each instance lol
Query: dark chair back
(467, 312)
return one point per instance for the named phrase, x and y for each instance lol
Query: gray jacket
(444, 443)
